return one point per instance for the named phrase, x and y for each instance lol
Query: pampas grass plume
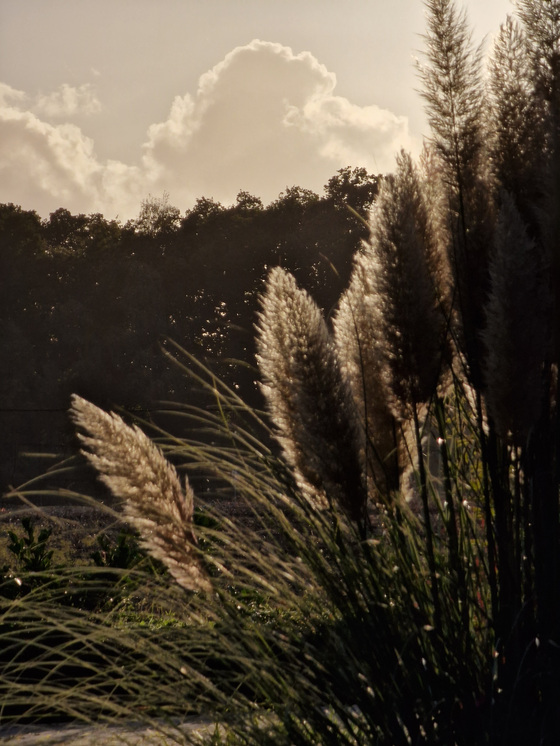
(517, 333)
(308, 397)
(404, 306)
(135, 471)
(359, 348)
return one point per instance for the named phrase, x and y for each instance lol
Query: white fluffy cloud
(10, 96)
(262, 119)
(41, 162)
(265, 118)
(68, 101)
(45, 166)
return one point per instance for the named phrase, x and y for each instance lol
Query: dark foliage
(87, 302)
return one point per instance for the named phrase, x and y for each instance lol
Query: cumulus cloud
(10, 96)
(262, 119)
(68, 101)
(45, 166)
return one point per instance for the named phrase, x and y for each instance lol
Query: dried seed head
(404, 304)
(135, 471)
(356, 329)
(517, 333)
(308, 398)
(452, 89)
(517, 121)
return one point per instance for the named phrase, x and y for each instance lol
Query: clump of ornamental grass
(343, 612)
(301, 632)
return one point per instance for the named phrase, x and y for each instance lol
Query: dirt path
(129, 735)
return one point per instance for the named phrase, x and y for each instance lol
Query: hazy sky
(103, 102)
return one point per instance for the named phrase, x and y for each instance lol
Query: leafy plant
(30, 551)
(123, 554)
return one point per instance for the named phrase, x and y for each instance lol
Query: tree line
(88, 302)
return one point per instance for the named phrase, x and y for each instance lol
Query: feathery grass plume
(405, 312)
(541, 21)
(453, 91)
(541, 24)
(309, 400)
(135, 471)
(358, 344)
(517, 330)
(517, 122)
(403, 300)
(430, 171)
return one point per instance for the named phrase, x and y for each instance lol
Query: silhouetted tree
(157, 217)
(352, 187)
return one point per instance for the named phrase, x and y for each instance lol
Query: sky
(104, 103)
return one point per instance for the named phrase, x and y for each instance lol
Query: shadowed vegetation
(395, 578)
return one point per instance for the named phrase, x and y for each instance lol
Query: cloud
(45, 166)
(262, 119)
(39, 161)
(10, 96)
(68, 101)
